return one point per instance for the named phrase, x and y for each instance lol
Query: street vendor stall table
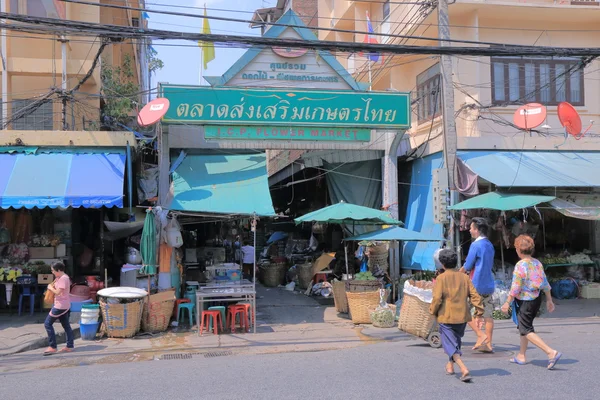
(226, 293)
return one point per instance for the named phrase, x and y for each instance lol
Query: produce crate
(591, 291)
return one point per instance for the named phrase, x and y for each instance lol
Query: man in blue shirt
(478, 265)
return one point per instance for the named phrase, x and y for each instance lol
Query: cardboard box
(45, 279)
(41, 252)
(60, 250)
(591, 291)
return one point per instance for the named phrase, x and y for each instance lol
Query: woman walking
(529, 281)
(451, 294)
(60, 310)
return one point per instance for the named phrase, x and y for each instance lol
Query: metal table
(227, 294)
(244, 283)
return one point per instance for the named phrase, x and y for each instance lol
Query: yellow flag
(208, 48)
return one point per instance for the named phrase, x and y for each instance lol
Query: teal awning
(222, 184)
(396, 233)
(502, 201)
(346, 213)
(535, 168)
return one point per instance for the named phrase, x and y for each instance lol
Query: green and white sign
(282, 133)
(284, 107)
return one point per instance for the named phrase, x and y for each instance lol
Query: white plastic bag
(174, 238)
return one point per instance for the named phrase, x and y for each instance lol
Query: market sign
(285, 133)
(285, 107)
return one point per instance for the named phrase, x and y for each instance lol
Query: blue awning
(223, 184)
(61, 180)
(535, 168)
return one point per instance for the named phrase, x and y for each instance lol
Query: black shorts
(527, 310)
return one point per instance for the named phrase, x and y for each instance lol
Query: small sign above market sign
(285, 107)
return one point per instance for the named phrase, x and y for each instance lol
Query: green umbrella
(351, 214)
(396, 233)
(148, 245)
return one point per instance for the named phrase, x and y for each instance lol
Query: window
(429, 94)
(39, 120)
(135, 22)
(38, 8)
(386, 9)
(544, 80)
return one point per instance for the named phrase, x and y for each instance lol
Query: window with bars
(386, 9)
(42, 119)
(429, 94)
(548, 81)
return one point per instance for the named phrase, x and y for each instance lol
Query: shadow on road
(490, 372)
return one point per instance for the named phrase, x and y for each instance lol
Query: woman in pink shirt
(61, 309)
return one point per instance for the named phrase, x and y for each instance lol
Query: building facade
(487, 93)
(34, 64)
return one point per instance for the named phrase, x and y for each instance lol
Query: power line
(119, 33)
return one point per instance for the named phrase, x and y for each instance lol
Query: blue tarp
(419, 215)
(535, 168)
(61, 180)
(222, 184)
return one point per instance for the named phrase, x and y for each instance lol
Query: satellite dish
(153, 111)
(570, 119)
(530, 116)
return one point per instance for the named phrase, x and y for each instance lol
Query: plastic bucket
(90, 313)
(88, 331)
(77, 305)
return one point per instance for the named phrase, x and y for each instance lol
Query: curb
(39, 343)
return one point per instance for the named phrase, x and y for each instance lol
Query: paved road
(390, 370)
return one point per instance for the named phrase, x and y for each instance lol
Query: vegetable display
(383, 318)
(364, 276)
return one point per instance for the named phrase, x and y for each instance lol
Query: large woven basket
(122, 320)
(415, 317)
(273, 275)
(380, 260)
(339, 297)
(305, 275)
(355, 286)
(359, 305)
(158, 311)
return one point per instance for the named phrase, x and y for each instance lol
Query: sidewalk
(286, 322)
(20, 334)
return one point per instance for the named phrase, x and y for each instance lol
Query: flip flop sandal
(466, 378)
(66, 350)
(49, 353)
(515, 360)
(552, 362)
(448, 372)
(476, 348)
(485, 350)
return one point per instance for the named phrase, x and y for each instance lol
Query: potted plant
(8, 276)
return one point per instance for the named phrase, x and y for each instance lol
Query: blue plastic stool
(28, 287)
(190, 308)
(219, 308)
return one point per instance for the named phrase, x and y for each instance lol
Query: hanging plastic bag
(174, 237)
(383, 316)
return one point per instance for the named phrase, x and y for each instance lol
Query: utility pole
(450, 140)
(63, 42)
(4, 47)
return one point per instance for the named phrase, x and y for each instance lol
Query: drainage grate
(217, 354)
(176, 356)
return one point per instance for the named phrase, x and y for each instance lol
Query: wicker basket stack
(339, 296)
(273, 275)
(360, 303)
(122, 320)
(305, 275)
(158, 311)
(415, 317)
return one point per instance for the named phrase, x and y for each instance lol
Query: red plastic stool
(248, 307)
(177, 303)
(320, 277)
(216, 316)
(233, 312)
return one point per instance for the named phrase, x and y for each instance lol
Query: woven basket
(305, 275)
(273, 275)
(415, 317)
(379, 259)
(359, 305)
(158, 312)
(339, 297)
(356, 286)
(122, 320)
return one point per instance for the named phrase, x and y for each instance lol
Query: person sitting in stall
(247, 260)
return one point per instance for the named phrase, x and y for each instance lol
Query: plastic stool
(190, 308)
(222, 310)
(176, 307)
(249, 310)
(208, 317)
(234, 311)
